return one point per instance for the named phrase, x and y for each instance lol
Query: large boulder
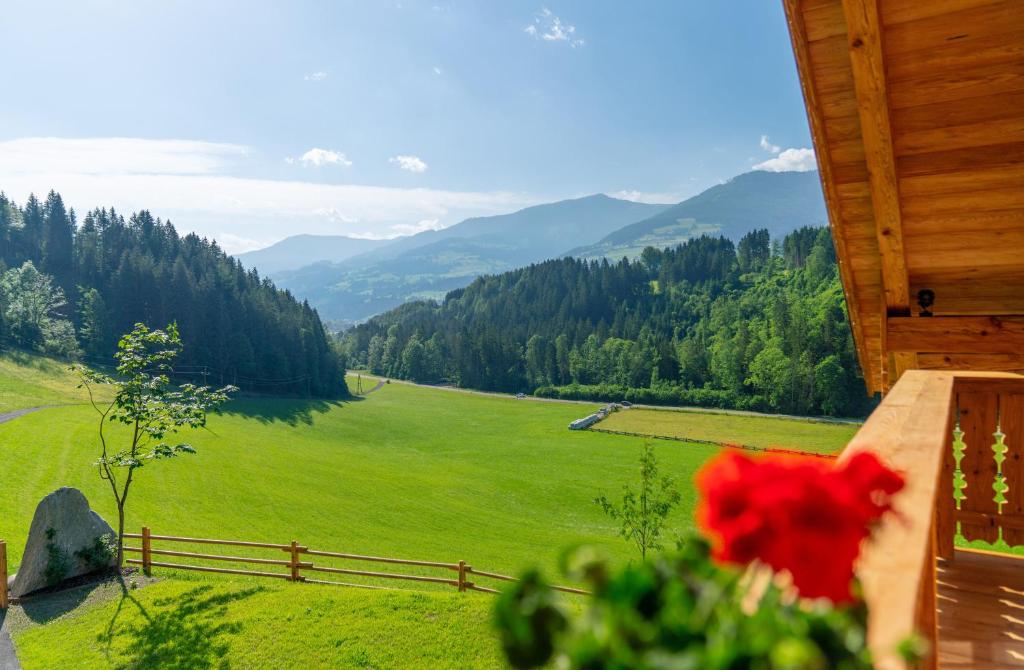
(65, 540)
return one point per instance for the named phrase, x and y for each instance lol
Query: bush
(58, 564)
(100, 554)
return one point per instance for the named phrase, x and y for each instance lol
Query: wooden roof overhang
(916, 108)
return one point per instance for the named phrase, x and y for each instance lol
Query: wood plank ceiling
(916, 108)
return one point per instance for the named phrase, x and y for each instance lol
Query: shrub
(58, 564)
(100, 554)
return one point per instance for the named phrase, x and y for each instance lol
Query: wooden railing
(958, 438)
(296, 565)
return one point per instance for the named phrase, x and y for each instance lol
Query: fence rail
(296, 566)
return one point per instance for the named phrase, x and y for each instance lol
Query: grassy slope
(407, 472)
(752, 430)
(33, 381)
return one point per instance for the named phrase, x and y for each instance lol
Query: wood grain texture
(908, 432)
(849, 126)
(978, 419)
(956, 334)
(866, 58)
(980, 600)
(1012, 423)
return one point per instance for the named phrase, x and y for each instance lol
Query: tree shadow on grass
(189, 632)
(292, 411)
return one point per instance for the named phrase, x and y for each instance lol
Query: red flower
(801, 514)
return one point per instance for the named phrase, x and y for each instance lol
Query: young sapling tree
(149, 405)
(642, 515)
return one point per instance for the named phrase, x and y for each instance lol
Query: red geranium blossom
(801, 514)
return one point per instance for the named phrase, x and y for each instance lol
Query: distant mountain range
(349, 280)
(299, 251)
(778, 201)
(430, 264)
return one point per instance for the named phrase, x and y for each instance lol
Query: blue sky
(250, 121)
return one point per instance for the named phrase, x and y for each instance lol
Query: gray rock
(75, 527)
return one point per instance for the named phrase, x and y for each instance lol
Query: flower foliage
(683, 610)
(802, 515)
(724, 601)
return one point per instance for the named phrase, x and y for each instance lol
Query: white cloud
(334, 214)
(116, 155)
(548, 27)
(768, 146)
(237, 244)
(319, 75)
(790, 160)
(319, 157)
(437, 70)
(410, 163)
(190, 183)
(648, 197)
(418, 227)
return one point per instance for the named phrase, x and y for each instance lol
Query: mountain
(299, 251)
(781, 202)
(430, 264)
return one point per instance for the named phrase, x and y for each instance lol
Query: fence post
(462, 575)
(3, 575)
(147, 547)
(295, 561)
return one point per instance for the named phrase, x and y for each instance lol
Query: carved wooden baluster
(959, 482)
(999, 484)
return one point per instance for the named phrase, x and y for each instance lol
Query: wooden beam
(864, 31)
(816, 121)
(1001, 362)
(956, 334)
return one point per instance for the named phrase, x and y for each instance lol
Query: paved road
(7, 416)
(8, 659)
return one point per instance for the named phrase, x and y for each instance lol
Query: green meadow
(819, 436)
(406, 471)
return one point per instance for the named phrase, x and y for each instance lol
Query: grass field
(756, 431)
(33, 381)
(407, 471)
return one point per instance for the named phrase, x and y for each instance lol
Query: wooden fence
(4, 600)
(300, 559)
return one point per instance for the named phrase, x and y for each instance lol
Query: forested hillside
(72, 290)
(758, 325)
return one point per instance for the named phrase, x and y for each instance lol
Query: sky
(249, 121)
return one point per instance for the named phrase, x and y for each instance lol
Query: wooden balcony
(958, 437)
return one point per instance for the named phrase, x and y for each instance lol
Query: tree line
(761, 324)
(71, 290)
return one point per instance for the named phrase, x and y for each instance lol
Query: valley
(405, 471)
